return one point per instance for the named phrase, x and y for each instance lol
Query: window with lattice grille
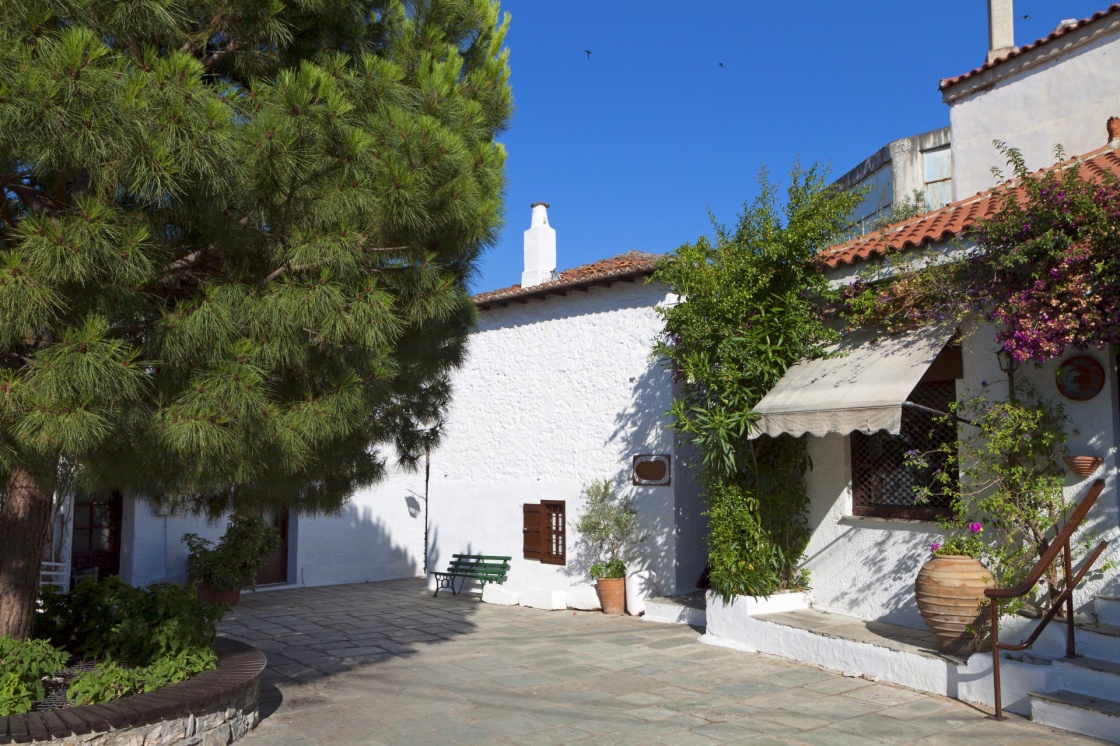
(544, 537)
(882, 483)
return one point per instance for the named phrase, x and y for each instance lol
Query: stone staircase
(1086, 697)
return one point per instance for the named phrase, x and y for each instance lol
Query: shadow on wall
(643, 429)
(354, 546)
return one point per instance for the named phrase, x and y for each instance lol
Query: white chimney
(1001, 29)
(540, 249)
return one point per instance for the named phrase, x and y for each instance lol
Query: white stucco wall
(1061, 94)
(866, 567)
(379, 535)
(152, 550)
(558, 392)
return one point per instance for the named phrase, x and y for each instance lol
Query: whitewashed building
(869, 537)
(559, 388)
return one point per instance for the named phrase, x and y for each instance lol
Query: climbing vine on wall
(750, 308)
(1045, 269)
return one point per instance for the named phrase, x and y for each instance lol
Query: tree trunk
(25, 524)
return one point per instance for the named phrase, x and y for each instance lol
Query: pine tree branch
(211, 59)
(33, 199)
(289, 267)
(185, 262)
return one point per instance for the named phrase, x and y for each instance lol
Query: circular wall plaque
(1080, 378)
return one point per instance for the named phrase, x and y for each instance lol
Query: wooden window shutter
(553, 533)
(531, 533)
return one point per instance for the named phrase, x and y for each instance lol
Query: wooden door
(275, 568)
(95, 545)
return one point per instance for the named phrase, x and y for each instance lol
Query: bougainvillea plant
(1045, 268)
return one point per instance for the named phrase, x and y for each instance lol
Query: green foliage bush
(232, 564)
(109, 619)
(111, 680)
(751, 306)
(144, 638)
(22, 668)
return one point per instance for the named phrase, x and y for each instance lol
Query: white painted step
(1091, 676)
(1108, 609)
(1080, 713)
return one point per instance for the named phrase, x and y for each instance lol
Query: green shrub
(109, 619)
(22, 668)
(233, 563)
(111, 680)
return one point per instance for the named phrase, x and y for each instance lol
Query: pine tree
(235, 237)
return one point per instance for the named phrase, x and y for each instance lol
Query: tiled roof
(953, 219)
(1057, 34)
(628, 266)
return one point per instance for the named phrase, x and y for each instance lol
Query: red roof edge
(947, 83)
(953, 219)
(623, 267)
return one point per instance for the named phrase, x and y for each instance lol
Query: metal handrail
(1061, 541)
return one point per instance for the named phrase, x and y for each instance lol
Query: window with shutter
(553, 535)
(531, 533)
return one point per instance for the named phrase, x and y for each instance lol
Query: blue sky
(632, 146)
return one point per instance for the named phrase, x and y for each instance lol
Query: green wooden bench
(484, 568)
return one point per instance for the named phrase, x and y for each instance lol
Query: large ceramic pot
(612, 594)
(211, 596)
(950, 593)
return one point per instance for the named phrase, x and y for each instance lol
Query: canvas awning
(863, 388)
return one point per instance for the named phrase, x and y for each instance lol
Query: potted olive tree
(219, 572)
(606, 524)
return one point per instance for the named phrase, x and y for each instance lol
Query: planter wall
(213, 707)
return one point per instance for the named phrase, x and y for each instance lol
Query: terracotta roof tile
(953, 219)
(626, 266)
(1057, 34)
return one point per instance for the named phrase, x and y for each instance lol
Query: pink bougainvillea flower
(935, 546)
(975, 528)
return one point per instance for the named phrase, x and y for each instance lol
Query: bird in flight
(1025, 17)
(588, 54)
(721, 65)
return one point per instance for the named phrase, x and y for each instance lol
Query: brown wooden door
(95, 545)
(275, 568)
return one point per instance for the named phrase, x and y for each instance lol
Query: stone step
(682, 608)
(1108, 610)
(1080, 713)
(1092, 676)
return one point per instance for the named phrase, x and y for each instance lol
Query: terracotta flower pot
(1083, 466)
(612, 594)
(950, 593)
(211, 596)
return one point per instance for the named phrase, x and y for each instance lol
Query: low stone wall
(211, 709)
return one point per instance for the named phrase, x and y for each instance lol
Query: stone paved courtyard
(385, 663)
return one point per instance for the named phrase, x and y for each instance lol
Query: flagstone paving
(385, 663)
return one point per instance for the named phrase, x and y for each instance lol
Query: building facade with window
(875, 403)
(920, 164)
(560, 389)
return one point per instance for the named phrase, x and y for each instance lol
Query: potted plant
(219, 572)
(950, 591)
(1005, 480)
(607, 526)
